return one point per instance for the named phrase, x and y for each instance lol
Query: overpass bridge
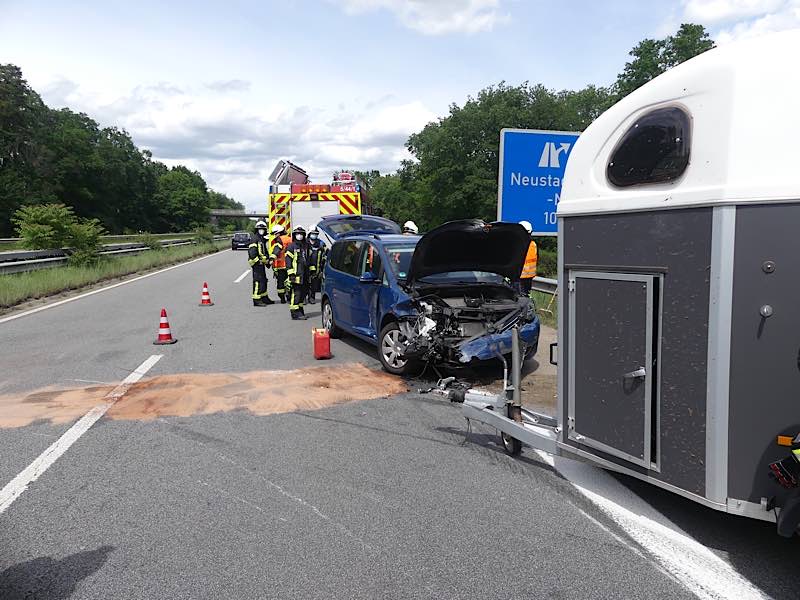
(216, 213)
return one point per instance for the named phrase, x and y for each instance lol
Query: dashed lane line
(103, 289)
(242, 276)
(32, 472)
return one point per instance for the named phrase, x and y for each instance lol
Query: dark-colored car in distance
(241, 240)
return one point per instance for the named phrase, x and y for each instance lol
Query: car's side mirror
(369, 277)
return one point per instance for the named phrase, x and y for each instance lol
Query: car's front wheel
(391, 346)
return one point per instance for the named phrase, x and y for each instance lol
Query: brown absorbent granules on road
(260, 392)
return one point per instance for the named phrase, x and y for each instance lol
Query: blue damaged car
(441, 299)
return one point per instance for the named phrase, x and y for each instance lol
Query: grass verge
(20, 287)
(110, 239)
(542, 301)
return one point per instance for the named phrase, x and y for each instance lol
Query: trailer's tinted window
(654, 150)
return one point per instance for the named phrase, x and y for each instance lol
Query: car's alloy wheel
(391, 348)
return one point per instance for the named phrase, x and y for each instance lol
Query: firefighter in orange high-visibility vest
(277, 251)
(525, 281)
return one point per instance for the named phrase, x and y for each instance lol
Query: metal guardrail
(545, 285)
(21, 261)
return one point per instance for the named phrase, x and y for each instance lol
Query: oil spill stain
(259, 392)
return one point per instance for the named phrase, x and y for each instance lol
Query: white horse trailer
(679, 262)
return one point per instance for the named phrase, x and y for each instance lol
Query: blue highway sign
(532, 165)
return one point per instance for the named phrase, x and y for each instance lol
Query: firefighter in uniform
(297, 268)
(317, 253)
(259, 259)
(529, 268)
(277, 251)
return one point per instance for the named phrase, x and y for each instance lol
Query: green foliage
(85, 242)
(44, 226)
(49, 226)
(203, 235)
(653, 57)
(151, 241)
(547, 264)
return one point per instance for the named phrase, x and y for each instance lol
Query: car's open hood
(470, 245)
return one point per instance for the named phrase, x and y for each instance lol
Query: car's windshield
(346, 225)
(462, 277)
(400, 259)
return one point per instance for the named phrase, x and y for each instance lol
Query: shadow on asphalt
(752, 547)
(45, 577)
(372, 428)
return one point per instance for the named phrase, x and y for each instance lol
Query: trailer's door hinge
(571, 285)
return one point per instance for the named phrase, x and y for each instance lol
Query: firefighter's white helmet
(527, 225)
(278, 229)
(410, 227)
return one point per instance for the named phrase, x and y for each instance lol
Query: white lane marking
(299, 501)
(704, 573)
(45, 460)
(109, 287)
(242, 276)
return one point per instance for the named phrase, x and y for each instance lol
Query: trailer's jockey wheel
(511, 445)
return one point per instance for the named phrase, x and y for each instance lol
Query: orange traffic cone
(205, 297)
(164, 334)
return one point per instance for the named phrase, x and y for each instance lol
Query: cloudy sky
(230, 87)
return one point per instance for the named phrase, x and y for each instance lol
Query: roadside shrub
(84, 242)
(203, 235)
(44, 226)
(51, 226)
(548, 264)
(149, 240)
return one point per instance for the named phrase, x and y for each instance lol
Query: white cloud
(234, 147)
(738, 19)
(435, 17)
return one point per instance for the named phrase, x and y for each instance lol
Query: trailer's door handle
(640, 372)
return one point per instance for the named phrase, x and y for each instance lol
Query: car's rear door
(344, 275)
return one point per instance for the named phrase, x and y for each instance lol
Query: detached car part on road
(439, 299)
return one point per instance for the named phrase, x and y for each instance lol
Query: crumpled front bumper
(487, 347)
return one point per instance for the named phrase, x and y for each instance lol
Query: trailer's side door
(613, 328)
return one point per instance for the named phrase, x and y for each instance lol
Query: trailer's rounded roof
(743, 100)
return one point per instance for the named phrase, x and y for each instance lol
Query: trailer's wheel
(511, 445)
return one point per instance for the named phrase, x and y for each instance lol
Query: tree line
(453, 173)
(57, 156)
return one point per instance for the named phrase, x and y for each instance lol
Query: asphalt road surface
(365, 499)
